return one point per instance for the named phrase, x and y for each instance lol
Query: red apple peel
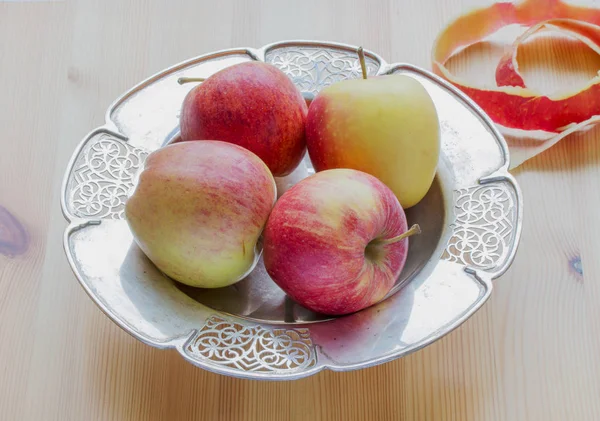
(516, 109)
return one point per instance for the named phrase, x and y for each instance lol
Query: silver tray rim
(501, 174)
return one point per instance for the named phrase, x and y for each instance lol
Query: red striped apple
(199, 209)
(254, 105)
(336, 241)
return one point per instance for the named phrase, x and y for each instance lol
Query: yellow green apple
(386, 126)
(199, 209)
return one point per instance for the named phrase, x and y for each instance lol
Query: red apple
(199, 209)
(251, 104)
(336, 242)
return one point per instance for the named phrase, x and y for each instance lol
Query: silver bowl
(471, 218)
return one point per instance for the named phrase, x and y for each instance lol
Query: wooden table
(531, 353)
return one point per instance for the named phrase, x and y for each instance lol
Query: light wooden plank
(530, 353)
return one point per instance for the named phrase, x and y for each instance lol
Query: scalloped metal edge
(484, 278)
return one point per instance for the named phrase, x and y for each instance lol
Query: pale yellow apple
(386, 126)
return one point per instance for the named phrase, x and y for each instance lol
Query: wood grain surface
(531, 353)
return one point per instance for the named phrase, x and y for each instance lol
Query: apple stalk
(363, 63)
(414, 230)
(183, 80)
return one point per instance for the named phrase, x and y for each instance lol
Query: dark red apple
(253, 105)
(336, 241)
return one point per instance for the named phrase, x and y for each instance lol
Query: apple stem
(414, 230)
(363, 63)
(183, 80)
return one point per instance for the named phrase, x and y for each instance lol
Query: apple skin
(254, 105)
(386, 126)
(198, 210)
(318, 241)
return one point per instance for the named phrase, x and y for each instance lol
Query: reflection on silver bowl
(471, 220)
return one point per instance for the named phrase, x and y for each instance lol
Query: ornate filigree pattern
(313, 68)
(482, 233)
(253, 348)
(102, 178)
